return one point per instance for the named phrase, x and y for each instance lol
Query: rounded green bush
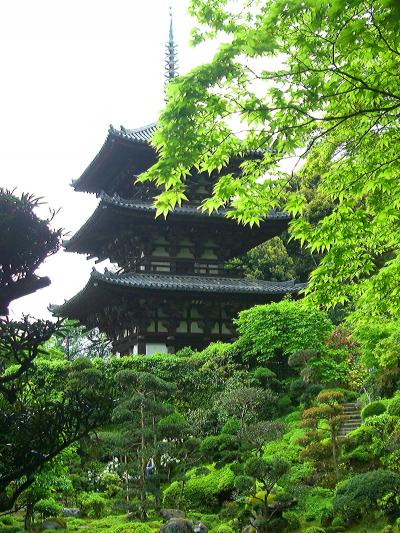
(373, 409)
(394, 406)
(292, 521)
(93, 504)
(132, 527)
(223, 528)
(314, 529)
(48, 507)
(338, 521)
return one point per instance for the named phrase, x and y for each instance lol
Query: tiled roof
(178, 210)
(138, 136)
(172, 282)
(143, 134)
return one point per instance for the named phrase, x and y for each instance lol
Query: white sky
(69, 68)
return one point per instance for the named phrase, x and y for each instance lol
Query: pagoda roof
(93, 229)
(121, 145)
(99, 287)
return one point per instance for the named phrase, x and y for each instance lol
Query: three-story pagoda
(169, 288)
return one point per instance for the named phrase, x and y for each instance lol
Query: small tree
(179, 449)
(142, 404)
(25, 241)
(258, 480)
(329, 409)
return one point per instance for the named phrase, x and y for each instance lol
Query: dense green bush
(394, 406)
(132, 527)
(373, 409)
(223, 528)
(292, 521)
(359, 495)
(93, 504)
(314, 529)
(48, 507)
(291, 327)
(203, 493)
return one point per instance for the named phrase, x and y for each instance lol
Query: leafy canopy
(292, 80)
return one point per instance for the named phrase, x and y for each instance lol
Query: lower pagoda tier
(147, 313)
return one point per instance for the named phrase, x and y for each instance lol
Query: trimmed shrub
(223, 528)
(338, 521)
(394, 406)
(48, 507)
(132, 527)
(292, 521)
(93, 504)
(359, 495)
(203, 493)
(7, 520)
(373, 409)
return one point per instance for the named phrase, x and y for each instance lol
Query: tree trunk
(28, 518)
(335, 455)
(143, 514)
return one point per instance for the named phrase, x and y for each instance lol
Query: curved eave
(102, 288)
(82, 240)
(120, 145)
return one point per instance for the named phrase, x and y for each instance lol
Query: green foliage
(93, 504)
(292, 520)
(132, 527)
(360, 494)
(48, 507)
(25, 242)
(203, 493)
(314, 529)
(325, 104)
(373, 409)
(291, 327)
(223, 528)
(269, 261)
(394, 406)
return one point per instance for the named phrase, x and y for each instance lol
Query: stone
(199, 527)
(168, 514)
(249, 529)
(178, 525)
(72, 513)
(51, 524)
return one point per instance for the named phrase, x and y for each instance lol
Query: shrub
(7, 520)
(338, 521)
(204, 493)
(93, 504)
(360, 494)
(279, 329)
(284, 404)
(292, 521)
(48, 507)
(394, 406)
(231, 426)
(326, 517)
(132, 527)
(223, 528)
(314, 529)
(373, 409)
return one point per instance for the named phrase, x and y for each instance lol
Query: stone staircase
(353, 421)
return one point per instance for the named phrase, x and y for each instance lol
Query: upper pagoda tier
(124, 154)
(190, 241)
(127, 153)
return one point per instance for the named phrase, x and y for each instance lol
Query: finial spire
(171, 53)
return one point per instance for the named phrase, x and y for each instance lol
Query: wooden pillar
(170, 343)
(141, 344)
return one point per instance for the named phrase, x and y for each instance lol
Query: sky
(69, 69)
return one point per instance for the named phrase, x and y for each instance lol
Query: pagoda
(168, 287)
